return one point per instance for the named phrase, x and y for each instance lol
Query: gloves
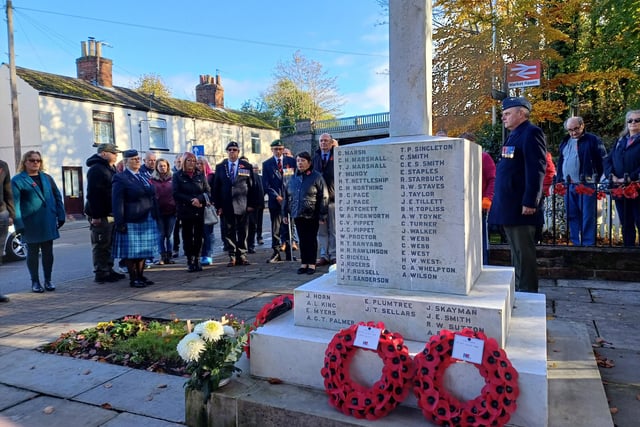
(486, 203)
(60, 223)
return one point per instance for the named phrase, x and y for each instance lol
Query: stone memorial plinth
(405, 211)
(322, 303)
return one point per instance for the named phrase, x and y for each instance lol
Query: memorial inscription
(392, 203)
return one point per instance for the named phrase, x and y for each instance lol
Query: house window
(158, 134)
(255, 143)
(103, 128)
(226, 135)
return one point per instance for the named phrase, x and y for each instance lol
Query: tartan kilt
(140, 240)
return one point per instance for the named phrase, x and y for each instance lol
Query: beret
(129, 153)
(514, 101)
(277, 143)
(232, 144)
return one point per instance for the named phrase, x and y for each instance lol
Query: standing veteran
(518, 189)
(7, 209)
(99, 211)
(135, 211)
(275, 173)
(235, 197)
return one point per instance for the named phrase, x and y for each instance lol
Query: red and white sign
(524, 74)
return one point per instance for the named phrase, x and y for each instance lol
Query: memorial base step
(295, 355)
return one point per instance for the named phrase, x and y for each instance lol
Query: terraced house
(65, 118)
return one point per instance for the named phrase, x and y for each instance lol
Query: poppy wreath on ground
(279, 305)
(497, 400)
(355, 399)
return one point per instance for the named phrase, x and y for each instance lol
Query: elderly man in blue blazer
(518, 189)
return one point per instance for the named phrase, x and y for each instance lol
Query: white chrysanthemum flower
(190, 347)
(210, 330)
(229, 331)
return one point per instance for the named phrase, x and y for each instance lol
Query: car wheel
(15, 249)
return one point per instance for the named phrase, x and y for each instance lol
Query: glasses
(190, 160)
(574, 129)
(637, 120)
(232, 149)
(34, 160)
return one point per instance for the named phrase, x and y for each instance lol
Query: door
(72, 191)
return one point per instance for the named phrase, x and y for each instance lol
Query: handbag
(210, 215)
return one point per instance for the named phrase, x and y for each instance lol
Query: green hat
(277, 143)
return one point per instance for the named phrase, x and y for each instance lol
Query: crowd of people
(142, 207)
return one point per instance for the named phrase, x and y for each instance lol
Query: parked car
(14, 248)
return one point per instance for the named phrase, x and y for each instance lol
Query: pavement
(47, 390)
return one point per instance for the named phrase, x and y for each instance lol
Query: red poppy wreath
(279, 305)
(354, 399)
(497, 400)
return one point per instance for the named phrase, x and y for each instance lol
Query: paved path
(45, 390)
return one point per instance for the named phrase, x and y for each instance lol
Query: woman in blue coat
(39, 215)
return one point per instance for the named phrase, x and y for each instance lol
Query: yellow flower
(211, 330)
(190, 347)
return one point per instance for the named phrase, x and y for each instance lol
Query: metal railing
(556, 229)
(354, 123)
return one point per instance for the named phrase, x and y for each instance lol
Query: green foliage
(158, 342)
(302, 90)
(152, 84)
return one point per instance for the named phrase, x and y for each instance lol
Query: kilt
(140, 240)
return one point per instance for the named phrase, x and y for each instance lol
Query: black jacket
(185, 188)
(306, 196)
(591, 153)
(326, 171)
(99, 177)
(623, 159)
(235, 197)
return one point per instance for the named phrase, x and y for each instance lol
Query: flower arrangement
(211, 350)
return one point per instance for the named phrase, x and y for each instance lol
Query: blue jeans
(581, 216)
(207, 239)
(165, 231)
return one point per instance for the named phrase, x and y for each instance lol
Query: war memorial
(408, 215)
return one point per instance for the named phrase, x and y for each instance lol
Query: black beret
(129, 153)
(232, 144)
(514, 101)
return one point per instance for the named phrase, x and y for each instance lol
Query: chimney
(210, 91)
(92, 67)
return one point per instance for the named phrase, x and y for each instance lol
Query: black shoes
(251, 251)
(302, 270)
(110, 277)
(4, 298)
(146, 281)
(137, 284)
(49, 286)
(36, 287)
(311, 270)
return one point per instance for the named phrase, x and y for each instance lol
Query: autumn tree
(152, 84)
(302, 90)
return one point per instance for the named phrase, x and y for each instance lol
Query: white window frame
(255, 143)
(103, 132)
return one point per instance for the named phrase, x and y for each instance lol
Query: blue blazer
(519, 176)
(273, 182)
(132, 200)
(38, 210)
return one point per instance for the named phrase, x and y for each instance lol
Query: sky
(243, 40)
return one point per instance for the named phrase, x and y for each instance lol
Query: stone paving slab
(616, 297)
(620, 333)
(143, 393)
(126, 419)
(567, 294)
(206, 297)
(599, 284)
(199, 312)
(11, 396)
(32, 370)
(593, 311)
(626, 369)
(624, 399)
(65, 413)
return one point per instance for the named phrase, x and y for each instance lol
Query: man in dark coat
(7, 210)
(98, 209)
(323, 163)
(275, 172)
(255, 219)
(234, 196)
(518, 189)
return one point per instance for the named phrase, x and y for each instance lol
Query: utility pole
(15, 113)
